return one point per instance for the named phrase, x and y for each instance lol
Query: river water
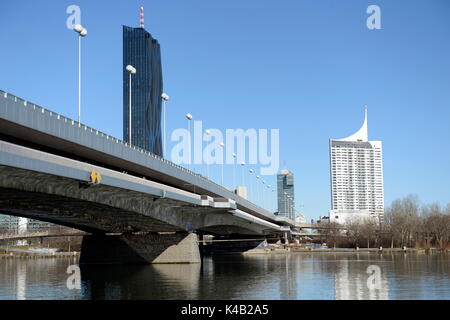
(276, 276)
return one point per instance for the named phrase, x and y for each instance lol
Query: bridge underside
(152, 229)
(77, 214)
(105, 209)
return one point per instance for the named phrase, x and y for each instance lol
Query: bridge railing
(58, 116)
(50, 113)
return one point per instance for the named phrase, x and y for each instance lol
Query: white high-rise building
(356, 169)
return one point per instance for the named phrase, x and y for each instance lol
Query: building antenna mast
(141, 21)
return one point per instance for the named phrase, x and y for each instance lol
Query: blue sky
(305, 67)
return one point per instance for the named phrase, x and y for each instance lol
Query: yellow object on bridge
(96, 177)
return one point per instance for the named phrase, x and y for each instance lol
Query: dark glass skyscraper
(142, 52)
(285, 181)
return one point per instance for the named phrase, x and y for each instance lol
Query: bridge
(57, 170)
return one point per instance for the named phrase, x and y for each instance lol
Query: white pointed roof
(361, 134)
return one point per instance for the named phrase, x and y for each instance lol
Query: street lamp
(289, 206)
(207, 132)
(274, 200)
(262, 192)
(222, 145)
(257, 188)
(250, 182)
(292, 208)
(82, 32)
(242, 173)
(234, 170)
(131, 70)
(165, 98)
(189, 118)
(285, 204)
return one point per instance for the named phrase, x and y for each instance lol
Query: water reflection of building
(351, 282)
(288, 286)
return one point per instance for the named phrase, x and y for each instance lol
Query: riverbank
(270, 250)
(32, 255)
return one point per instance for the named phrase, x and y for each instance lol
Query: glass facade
(11, 224)
(142, 52)
(285, 186)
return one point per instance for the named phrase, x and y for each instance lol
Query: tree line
(406, 223)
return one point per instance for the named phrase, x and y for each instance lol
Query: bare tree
(404, 219)
(437, 224)
(333, 234)
(369, 228)
(354, 231)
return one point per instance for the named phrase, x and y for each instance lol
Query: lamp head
(165, 96)
(189, 116)
(130, 69)
(78, 28)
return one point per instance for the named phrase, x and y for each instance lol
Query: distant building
(356, 170)
(300, 219)
(346, 216)
(286, 200)
(323, 219)
(17, 224)
(9, 222)
(142, 52)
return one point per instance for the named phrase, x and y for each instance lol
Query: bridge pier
(140, 248)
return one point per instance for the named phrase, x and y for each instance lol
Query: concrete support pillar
(140, 249)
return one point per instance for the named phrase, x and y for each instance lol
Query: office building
(356, 170)
(142, 52)
(286, 200)
(12, 224)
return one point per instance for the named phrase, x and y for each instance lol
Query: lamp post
(262, 191)
(285, 204)
(257, 188)
(234, 170)
(242, 173)
(82, 32)
(274, 200)
(250, 171)
(289, 206)
(222, 145)
(207, 132)
(165, 98)
(292, 208)
(189, 118)
(131, 70)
